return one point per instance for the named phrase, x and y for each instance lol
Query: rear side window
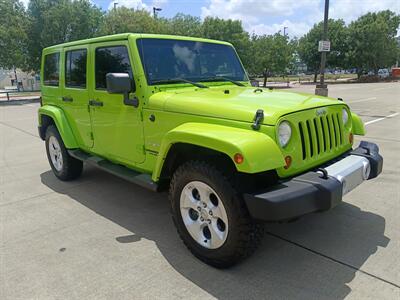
(111, 60)
(75, 68)
(51, 72)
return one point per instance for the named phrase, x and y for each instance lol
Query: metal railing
(17, 94)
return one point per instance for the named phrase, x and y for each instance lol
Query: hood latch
(258, 118)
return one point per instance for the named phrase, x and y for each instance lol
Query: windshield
(165, 59)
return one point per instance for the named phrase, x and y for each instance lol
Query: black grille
(320, 135)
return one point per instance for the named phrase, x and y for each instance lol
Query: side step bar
(141, 179)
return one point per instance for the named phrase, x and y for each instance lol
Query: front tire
(64, 166)
(211, 217)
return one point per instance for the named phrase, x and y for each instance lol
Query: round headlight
(284, 133)
(345, 116)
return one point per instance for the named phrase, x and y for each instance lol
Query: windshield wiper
(177, 80)
(222, 78)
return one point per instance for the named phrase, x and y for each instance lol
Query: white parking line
(362, 100)
(378, 89)
(380, 119)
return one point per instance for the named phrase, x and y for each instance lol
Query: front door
(117, 128)
(76, 94)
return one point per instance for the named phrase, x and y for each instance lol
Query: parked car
(383, 73)
(155, 110)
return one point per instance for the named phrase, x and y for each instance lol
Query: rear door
(117, 128)
(50, 79)
(76, 93)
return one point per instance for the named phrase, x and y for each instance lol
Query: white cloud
(299, 15)
(137, 4)
(248, 10)
(158, 3)
(293, 28)
(253, 13)
(349, 10)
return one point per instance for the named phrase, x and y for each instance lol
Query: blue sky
(263, 16)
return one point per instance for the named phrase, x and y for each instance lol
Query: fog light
(238, 158)
(288, 162)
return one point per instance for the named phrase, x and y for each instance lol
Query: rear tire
(64, 166)
(198, 188)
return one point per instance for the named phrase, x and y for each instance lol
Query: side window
(75, 68)
(51, 72)
(111, 60)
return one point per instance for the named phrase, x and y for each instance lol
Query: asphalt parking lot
(104, 238)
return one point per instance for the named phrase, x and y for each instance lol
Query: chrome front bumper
(317, 190)
(351, 171)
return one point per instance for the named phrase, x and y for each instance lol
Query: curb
(19, 101)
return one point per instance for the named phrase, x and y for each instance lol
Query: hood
(236, 103)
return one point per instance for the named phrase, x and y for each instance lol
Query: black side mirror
(121, 83)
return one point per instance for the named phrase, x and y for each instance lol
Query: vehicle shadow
(279, 269)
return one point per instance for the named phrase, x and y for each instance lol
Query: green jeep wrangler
(179, 113)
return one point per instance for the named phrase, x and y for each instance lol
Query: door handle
(67, 99)
(95, 103)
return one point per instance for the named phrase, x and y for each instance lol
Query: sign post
(324, 46)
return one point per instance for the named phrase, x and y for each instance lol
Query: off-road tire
(244, 234)
(71, 167)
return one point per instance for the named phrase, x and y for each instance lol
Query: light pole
(284, 30)
(115, 5)
(324, 46)
(155, 9)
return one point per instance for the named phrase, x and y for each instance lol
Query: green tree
(59, 21)
(337, 35)
(182, 24)
(372, 41)
(230, 31)
(13, 36)
(124, 19)
(272, 54)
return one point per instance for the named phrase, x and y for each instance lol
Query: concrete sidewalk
(104, 238)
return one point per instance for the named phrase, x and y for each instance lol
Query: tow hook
(258, 118)
(324, 173)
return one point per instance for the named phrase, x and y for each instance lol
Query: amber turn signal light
(288, 162)
(351, 138)
(238, 158)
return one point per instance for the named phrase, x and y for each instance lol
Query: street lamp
(115, 5)
(155, 9)
(284, 30)
(323, 47)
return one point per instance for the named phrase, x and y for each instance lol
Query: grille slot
(310, 138)
(303, 142)
(340, 129)
(317, 129)
(323, 133)
(320, 135)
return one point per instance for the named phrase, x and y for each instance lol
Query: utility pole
(155, 10)
(324, 47)
(284, 30)
(16, 77)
